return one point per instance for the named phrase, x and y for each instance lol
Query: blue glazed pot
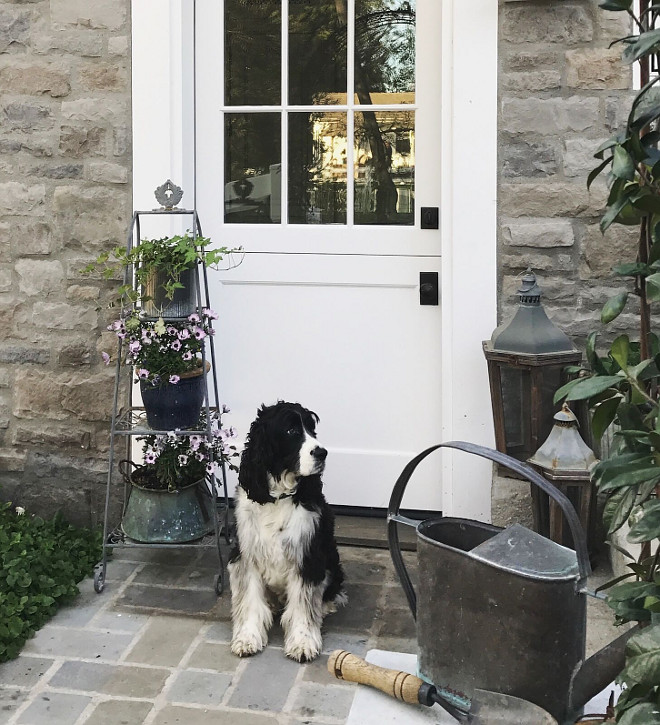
(168, 517)
(169, 407)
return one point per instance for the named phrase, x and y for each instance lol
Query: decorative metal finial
(168, 195)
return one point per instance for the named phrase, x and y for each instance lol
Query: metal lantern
(526, 358)
(566, 461)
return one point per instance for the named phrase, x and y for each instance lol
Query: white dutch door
(318, 147)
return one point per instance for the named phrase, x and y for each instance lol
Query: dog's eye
(292, 432)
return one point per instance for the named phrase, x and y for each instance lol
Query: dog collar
(283, 495)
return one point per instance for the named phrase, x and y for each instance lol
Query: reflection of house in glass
(383, 168)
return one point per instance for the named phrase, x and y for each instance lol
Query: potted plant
(167, 360)
(169, 500)
(163, 272)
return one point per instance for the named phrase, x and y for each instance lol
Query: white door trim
(163, 134)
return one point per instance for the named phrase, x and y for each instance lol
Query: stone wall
(65, 195)
(562, 92)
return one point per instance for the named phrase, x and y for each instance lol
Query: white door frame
(164, 143)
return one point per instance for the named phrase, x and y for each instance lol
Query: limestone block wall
(65, 195)
(562, 91)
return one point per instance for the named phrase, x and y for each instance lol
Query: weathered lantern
(526, 359)
(566, 461)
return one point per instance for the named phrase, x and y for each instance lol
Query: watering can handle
(393, 516)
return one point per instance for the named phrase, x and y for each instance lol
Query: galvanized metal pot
(496, 609)
(168, 517)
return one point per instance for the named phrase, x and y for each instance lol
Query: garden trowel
(485, 708)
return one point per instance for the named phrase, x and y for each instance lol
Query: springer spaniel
(285, 549)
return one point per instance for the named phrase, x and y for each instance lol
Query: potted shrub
(163, 271)
(167, 359)
(169, 500)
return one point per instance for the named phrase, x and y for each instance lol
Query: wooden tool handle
(401, 685)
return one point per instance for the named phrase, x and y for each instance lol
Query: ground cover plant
(41, 563)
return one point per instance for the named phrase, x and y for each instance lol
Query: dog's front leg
(250, 613)
(302, 619)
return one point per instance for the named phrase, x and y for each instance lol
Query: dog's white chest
(275, 537)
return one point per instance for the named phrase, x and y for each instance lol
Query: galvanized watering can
(502, 610)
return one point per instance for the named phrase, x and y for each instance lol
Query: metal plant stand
(130, 421)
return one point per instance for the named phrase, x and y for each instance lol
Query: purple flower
(198, 333)
(142, 374)
(176, 345)
(210, 314)
(171, 330)
(135, 347)
(195, 442)
(199, 456)
(174, 379)
(184, 334)
(194, 317)
(187, 355)
(211, 468)
(150, 457)
(106, 358)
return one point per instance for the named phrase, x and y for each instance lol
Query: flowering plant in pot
(163, 271)
(167, 358)
(169, 500)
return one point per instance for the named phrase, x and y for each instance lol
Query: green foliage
(168, 256)
(623, 385)
(40, 565)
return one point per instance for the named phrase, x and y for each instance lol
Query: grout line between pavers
(39, 687)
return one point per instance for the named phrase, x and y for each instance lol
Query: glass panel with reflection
(384, 169)
(253, 159)
(253, 52)
(317, 52)
(384, 60)
(317, 168)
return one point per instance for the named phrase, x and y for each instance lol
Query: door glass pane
(317, 52)
(384, 169)
(253, 52)
(252, 168)
(385, 51)
(317, 168)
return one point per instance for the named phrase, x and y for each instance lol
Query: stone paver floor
(153, 649)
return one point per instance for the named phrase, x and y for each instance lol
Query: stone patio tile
(265, 682)
(370, 569)
(213, 656)
(119, 621)
(199, 688)
(188, 601)
(219, 632)
(10, 700)
(159, 574)
(67, 642)
(110, 679)
(358, 614)
(200, 577)
(119, 571)
(394, 598)
(120, 712)
(24, 671)
(394, 623)
(317, 671)
(83, 608)
(165, 641)
(174, 715)
(314, 700)
(55, 708)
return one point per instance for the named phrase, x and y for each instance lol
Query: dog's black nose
(320, 453)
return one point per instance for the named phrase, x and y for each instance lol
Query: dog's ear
(253, 469)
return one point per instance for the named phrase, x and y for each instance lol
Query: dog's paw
(303, 649)
(246, 644)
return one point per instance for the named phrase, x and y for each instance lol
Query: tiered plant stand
(129, 421)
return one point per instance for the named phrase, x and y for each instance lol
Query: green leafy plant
(622, 385)
(40, 565)
(167, 256)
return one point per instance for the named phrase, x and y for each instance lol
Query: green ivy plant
(40, 565)
(167, 256)
(622, 385)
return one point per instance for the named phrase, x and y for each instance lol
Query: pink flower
(150, 457)
(211, 468)
(135, 347)
(194, 317)
(142, 374)
(187, 355)
(106, 358)
(176, 345)
(184, 334)
(174, 379)
(198, 333)
(210, 314)
(195, 442)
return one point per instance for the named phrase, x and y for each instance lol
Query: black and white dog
(285, 551)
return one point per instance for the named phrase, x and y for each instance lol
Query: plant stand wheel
(220, 583)
(99, 579)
